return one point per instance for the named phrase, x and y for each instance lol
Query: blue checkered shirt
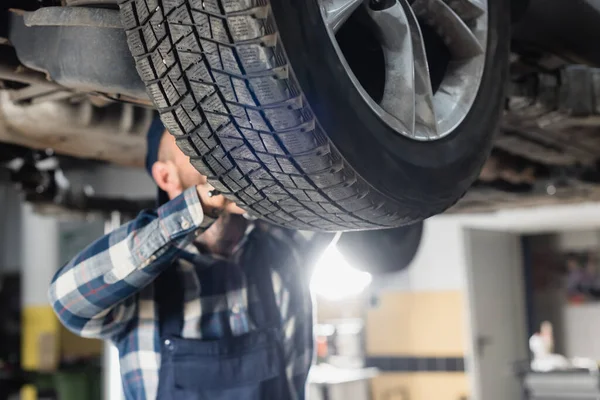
(107, 291)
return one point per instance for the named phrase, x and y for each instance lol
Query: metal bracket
(41, 181)
(84, 49)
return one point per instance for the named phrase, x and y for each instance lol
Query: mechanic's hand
(214, 206)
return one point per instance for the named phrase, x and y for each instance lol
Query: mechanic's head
(172, 171)
(166, 163)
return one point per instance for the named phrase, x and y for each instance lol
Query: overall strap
(264, 253)
(169, 297)
(260, 275)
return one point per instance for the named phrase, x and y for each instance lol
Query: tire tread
(220, 80)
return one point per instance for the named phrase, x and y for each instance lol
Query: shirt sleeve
(94, 294)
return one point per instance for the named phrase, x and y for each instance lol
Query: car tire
(253, 93)
(381, 252)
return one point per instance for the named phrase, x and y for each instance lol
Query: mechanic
(201, 301)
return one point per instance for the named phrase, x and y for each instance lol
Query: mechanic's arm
(94, 295)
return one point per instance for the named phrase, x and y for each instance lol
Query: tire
(267, 116)
(382, 252)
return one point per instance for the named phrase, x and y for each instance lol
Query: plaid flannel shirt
(107, 291)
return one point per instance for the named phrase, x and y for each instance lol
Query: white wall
(39, 255)
(582, 330)
(128, 182)
(114, 181)
(439, 264)
(557, 218)
(580, 240)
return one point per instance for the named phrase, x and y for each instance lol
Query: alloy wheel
(409, 104)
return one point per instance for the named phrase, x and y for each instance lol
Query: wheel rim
(409, 104)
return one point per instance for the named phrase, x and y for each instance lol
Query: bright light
(335, 279)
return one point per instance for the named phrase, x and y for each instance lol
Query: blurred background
(497, 299)
(452, 316)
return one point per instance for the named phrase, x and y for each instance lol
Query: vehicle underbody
(89, 102)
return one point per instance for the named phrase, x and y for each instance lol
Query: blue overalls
(247, 367)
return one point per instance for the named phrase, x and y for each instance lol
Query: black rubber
(384, 251)
(283, 132)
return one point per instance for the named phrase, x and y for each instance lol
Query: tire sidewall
(381, 252)
(435, 172)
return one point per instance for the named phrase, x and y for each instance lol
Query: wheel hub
(409, 104)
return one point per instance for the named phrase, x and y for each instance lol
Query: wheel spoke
(338, 11)
(399, 92)
(424, 110)
(461, 42)
(467, 10)
(408, 104)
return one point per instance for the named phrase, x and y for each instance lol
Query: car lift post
(111, 377)
(40, 327)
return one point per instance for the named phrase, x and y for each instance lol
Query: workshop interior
(439, 156)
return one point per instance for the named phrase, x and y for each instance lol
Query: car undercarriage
(86, 100)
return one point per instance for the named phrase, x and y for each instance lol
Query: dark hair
(155, 134)
(153, 138)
